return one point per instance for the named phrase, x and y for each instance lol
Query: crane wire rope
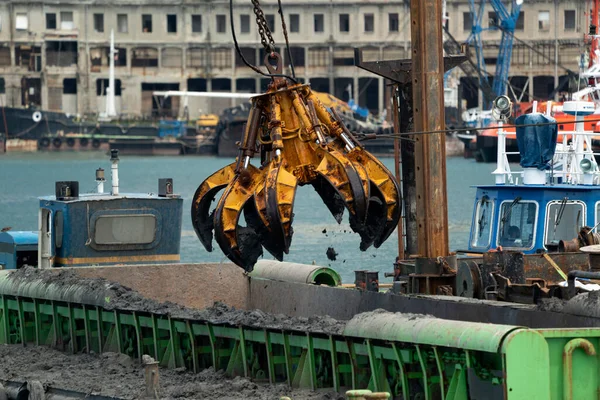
(269, 47)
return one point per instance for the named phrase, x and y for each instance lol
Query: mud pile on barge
(117, 375)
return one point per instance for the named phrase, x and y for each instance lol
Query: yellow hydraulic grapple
(300, 142)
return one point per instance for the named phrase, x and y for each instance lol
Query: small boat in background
(554, 198)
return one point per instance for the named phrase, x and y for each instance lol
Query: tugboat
(77, 229)
(544, 206)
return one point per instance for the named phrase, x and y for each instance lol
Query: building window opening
(517, 224)
(482, 224)
(144, 57)
(369, 23)
(171, 23)
(61, 53)
(569, 20)
(270, 22)
(493, 19)
(249, 54)
(319, 22)
(245, 23)
(102, 85)
(51, 21)
(66, 21)
(99, 57)
(544, 20)
(5, 60)
(221, 25)
(29, 57)
(146, 23)
(294, 23)
(393, 22)
(220, 58)
(122, 23)
(298, 56)
(196, 23)
(99, 22)
(69, 86)
(2, 86)
(318, 57)
(520, 25)
(31, 92)
(21, 22)
(344, 23)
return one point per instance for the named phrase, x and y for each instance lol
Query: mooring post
(430, 148)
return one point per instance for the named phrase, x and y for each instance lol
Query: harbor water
(24, 177)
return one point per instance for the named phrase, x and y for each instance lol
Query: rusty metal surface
(399, 71)
(309, 300)
(397, 163)
(430, 149)
(407, 155)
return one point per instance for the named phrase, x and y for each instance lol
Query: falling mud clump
(331, 254)
(249, 247)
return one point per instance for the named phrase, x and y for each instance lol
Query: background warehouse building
(56, 55)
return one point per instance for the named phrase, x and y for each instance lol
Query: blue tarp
(363, 112)
(536, 143)
(171, 128)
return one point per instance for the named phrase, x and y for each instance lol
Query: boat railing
(573, 162)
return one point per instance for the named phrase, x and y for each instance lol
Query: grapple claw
(202, 221)
(300, 143)
(384, 187)
(240, 244)
(347, 184)
(271, 214)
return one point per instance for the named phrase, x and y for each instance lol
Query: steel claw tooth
(202, 221)
(373, 228)
(342, 185)
(383, 186)
(240, 244)
(271, 214)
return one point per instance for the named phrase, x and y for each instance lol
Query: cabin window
(125, 229)
(482, 225)
(564, 219)
(58, 229)
(517, 224)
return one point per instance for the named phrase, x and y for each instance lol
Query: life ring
(83, 142)
(44, 142)
(70, 142)
(95, 143)
(57, 142)
(37, 116)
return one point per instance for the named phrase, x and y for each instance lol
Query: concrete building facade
(54, 54)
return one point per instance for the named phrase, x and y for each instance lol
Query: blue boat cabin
(531, 218)
(102, 229)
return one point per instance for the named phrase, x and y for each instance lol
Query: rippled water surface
(24, 177)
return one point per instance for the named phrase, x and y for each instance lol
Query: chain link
(263, 28)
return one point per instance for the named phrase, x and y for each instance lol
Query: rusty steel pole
(430, 149)
(397, 162)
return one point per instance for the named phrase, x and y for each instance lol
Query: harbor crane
(506, 21)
